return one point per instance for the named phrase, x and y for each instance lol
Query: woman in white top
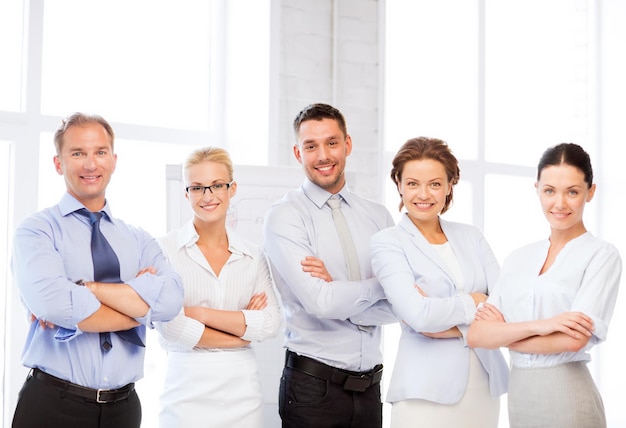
(434, 273)
(553, 303)
(212, 378)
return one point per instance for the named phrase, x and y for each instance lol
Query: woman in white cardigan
(434, 274)
(212, 377)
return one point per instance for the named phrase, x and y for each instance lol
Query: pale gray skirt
(559, 396)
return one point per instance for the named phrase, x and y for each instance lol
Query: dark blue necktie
(106, 268)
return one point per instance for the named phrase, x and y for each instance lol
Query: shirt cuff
(463, 329)
(146, 319)
(469, 307)
(84, 304)
(65, 334)
(372, 292)
(189, 333)
(144, 286)
(254, 324)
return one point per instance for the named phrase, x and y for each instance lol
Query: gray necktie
(349, 251)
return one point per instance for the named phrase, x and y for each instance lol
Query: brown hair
(80, 119)
(320, 111)
(427, 148)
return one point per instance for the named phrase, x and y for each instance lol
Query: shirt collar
(68, 204)
(319, 196)
(187, 236)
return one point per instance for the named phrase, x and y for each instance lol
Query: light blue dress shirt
(51, 251)
(335, 322)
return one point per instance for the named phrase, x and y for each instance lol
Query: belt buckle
(357, 383)
(98, 400)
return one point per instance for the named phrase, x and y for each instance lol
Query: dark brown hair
(567, 154)
(320, 111)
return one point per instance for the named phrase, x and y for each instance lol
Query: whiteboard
(258, 187)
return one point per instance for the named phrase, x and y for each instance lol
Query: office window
(500, 81)
(514, 93)
(11, 42)
(502, 212)
(432, 73)
(538, 70)
(131, 62)
(169, 76)
(5, 179)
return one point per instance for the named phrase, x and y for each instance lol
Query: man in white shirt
(333, 337)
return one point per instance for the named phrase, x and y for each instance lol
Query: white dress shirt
(584, 277)
(245, 273)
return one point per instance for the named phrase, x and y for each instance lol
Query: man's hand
(42, 323)
(149, 269)
(316, 268)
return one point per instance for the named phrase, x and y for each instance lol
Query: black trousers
(43, 405)
(309, 402)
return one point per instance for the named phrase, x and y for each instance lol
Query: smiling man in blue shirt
(75, 381)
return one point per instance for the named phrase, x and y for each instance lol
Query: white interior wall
(330, 52)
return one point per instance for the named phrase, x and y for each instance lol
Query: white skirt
(477, 408)
(211, 389)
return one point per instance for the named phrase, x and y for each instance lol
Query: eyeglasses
(216, 189)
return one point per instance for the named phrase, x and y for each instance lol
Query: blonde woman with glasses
(212, 375)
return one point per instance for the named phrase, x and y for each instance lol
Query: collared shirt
(52, 250)
(335, 322)
(245, 273)
(584, 278)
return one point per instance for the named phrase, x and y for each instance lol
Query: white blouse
(245, 273)
(584, 277)
(448, 256)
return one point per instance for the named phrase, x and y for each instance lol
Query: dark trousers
(309, 402)
(43, 405)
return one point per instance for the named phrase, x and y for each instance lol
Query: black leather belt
(102, 396)
(351, 381)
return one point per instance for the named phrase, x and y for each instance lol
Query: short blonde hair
(210, 154)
